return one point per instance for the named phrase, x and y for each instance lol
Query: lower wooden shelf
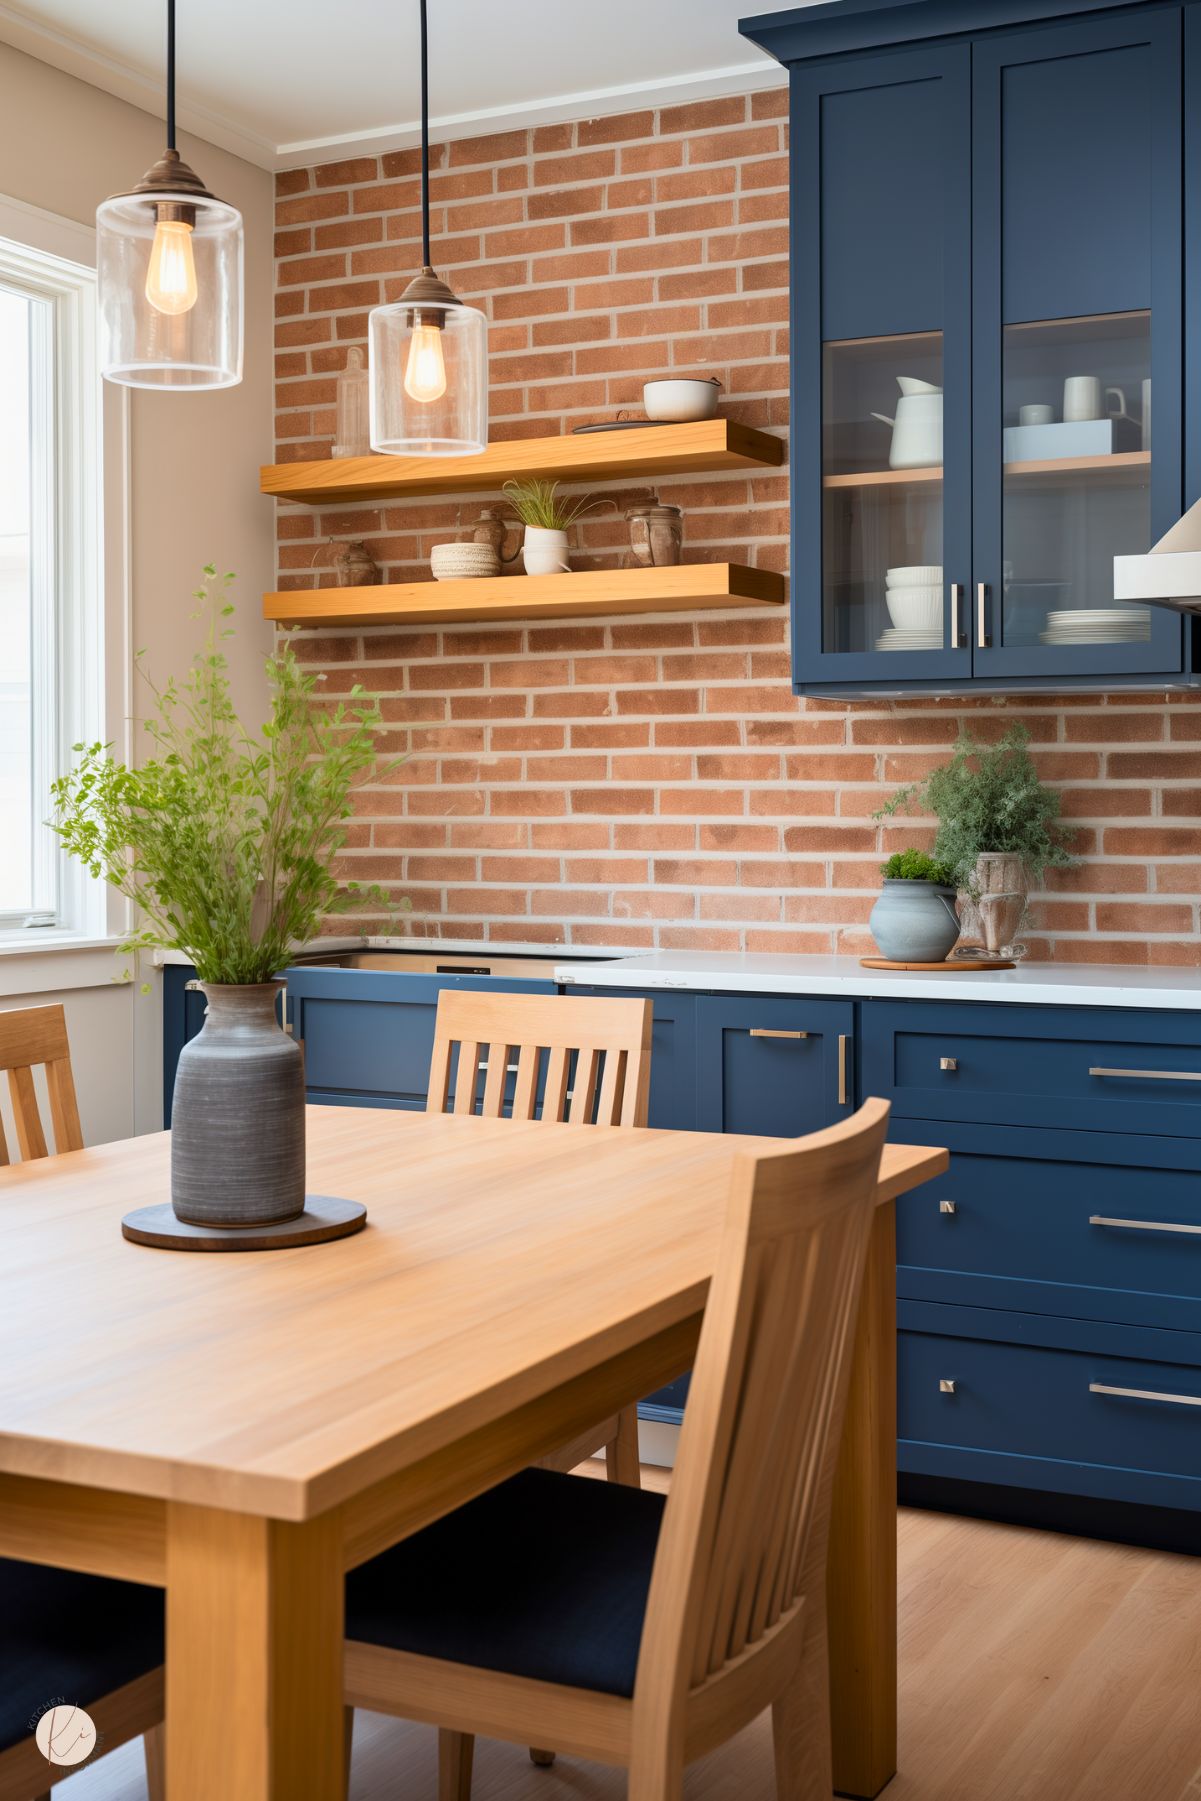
(572, 596)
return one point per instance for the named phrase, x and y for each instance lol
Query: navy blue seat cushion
(69, 1637)
(544, 1577)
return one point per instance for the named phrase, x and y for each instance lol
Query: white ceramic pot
(681, 401)
(544, 552)
(914, 609)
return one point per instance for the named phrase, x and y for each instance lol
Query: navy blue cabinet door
(183, 1016)
(881, 368)
(1077, 227)
(773, 1067)
(368, 1034)
(673, 1058)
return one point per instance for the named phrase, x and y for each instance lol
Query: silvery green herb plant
(224, 840)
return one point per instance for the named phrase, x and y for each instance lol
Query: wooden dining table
(243, 1429)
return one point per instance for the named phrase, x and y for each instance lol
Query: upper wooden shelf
(592, 456)
(1122, 461)
(572, 596)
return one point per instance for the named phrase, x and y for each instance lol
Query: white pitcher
(917, 428)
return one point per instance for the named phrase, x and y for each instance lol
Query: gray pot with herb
(914, 920)
(226, 842)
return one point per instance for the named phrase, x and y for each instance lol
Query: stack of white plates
(895, 639)
(1098, 625)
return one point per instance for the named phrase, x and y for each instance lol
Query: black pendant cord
(171, 74)
(425, 141)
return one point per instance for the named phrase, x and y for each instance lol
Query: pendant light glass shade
(429, 375)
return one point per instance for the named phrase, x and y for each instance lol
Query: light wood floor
(1034, 1667)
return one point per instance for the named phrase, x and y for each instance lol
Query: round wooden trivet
(325, 1217)
(946, 965)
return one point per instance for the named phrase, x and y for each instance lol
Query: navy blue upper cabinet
(987, 289)
(773, 1067)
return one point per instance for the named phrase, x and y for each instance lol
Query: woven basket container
(459, 562)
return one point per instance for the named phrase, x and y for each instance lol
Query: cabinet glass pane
(1076, 457)
(882, 493)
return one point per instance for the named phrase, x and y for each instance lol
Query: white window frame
(83, 662)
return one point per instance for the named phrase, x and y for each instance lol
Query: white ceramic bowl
(914, 609)
(914, 575)
(462, 562)
(681, 400)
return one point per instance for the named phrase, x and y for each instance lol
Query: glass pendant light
(169, 274)
(428, 352)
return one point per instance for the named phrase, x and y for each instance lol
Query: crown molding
(144, 89)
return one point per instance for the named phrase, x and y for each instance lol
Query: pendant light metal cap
(428, 290)
(170, 175)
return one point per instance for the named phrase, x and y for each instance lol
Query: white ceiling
(286, 82)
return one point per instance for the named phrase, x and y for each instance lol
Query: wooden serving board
(946, 965)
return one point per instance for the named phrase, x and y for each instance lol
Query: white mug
(1081, 398)
(1036, 415)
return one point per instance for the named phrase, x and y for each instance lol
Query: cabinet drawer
(777, 1068)
(1083, 1069)
(1062, 1405)
(1084, 1225)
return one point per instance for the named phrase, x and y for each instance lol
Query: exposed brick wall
(635, 783)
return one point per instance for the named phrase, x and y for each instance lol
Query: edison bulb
(425, 371)
(171, 278)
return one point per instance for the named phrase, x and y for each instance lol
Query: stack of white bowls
(914, 597)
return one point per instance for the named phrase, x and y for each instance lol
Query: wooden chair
(533, 1039)
(104, 1645)
(30, 1036)
(592, 1619)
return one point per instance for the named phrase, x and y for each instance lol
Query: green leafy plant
(226, 841)
(538, 503)
(916, 866)
(988, 798)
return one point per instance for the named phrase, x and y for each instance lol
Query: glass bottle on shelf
(353, 428)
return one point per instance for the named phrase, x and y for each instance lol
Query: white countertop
(1041, 984)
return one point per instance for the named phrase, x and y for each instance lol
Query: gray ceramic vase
(914, 922)
(237, 1119)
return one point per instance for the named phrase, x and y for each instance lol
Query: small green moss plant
(224, 840)
(988, 798)
(916, 866)
(538, 503)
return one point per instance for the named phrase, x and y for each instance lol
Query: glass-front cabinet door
(882, 369)
(1077, 230)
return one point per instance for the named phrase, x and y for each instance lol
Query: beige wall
(194, 494)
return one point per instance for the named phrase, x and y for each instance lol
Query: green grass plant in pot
(998, 833)
(914, 920)
(547, 518)
(225, 840)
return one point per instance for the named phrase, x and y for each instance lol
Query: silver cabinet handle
(951, 1064)
(1141, 1225)
(770, 1032)
(983, 638)
(958, 616)
(481, 1069)
(843, 1091)
(945, 1386)
(1143, 1394)
(948, 1206)
(1152, 1075)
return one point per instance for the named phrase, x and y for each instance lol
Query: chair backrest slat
(744, 1535)
(30, 1036)
(592, 1055)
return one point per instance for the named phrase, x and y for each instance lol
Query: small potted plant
(547, 519)
(998, 831)
(914, 920)
(225, 840)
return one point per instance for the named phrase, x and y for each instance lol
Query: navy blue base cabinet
(993, 207)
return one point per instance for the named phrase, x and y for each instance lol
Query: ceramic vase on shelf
(914, 922)
(993, 909)
(353, 428)
(237, 1117)
(544, 552)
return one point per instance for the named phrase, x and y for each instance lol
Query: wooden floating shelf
(709, 444)
(577, 595)
(1125, 461)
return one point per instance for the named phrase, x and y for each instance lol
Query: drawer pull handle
(1143, 1394)
(510, 1069)
(946, 1385)
(1152, 1075)
(843, 1092)
(948, 1206)
(771, 1032)
(948, 1063)
(1142, 1225)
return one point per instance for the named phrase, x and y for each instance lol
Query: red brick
(703, 115)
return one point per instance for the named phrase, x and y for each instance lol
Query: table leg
(862, 1568)
(254, 1657)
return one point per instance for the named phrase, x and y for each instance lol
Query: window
(51, 577)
